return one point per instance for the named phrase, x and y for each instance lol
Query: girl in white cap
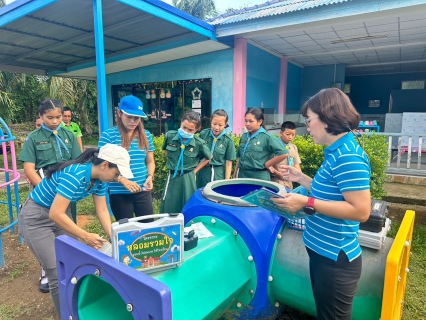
(46, 214)
(129, 197)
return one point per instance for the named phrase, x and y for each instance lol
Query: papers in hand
(200, 230)
(262, 198)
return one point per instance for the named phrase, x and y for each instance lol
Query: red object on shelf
(404, 149)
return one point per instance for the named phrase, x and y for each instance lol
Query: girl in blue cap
(129, 197)
(45, 214)
(186, 154)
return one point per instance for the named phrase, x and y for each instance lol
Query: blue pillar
(100, 65)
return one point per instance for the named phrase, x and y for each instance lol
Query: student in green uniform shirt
(186, 154)
(221, 147)
(257, 147)
(45, 147)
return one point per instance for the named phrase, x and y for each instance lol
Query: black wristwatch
(309, 208)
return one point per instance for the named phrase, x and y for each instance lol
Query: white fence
(405, 153)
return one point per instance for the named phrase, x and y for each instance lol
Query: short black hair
(335, 109)
(66, 109)
(288, 125)
(193, 117)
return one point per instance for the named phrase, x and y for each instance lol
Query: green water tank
(291, 283)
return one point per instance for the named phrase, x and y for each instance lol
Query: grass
(18, 270)
(15, 311)
(415, 292)
(90, 140)
(4, 211)
(415, 307)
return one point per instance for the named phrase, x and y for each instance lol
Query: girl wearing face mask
(186, 155)
(222, 148)
(129, 197)
(256, 148)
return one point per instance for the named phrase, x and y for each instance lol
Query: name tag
(42, 142)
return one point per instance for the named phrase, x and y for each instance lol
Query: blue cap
(132, 106)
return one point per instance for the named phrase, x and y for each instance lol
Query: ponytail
(88, 156)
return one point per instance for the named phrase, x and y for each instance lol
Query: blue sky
(221, 5)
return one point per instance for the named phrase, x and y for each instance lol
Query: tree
(80, 96)
(8, 82)
(202, 9)
(230, 9)
(27, 97)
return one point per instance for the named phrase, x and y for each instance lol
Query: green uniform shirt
(224, 149)
(40, 148)
(195, 151)
(259, 150)
(74, 128)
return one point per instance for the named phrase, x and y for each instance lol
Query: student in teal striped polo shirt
(339, 199)
(46, 214)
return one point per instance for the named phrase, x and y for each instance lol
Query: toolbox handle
(159, 215)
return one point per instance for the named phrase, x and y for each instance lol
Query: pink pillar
(283, 87)
(240, 79)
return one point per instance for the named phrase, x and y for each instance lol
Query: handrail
(397, 270)
(7, 140)
(407, 145)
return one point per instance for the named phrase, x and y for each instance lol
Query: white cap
(118, 156)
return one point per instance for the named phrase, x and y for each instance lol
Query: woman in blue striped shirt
(339, 199)
(130, 197)
(46, 214)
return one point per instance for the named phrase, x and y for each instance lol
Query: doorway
(164, 103)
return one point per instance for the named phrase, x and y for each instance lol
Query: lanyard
(57, 137)
(215, 139)
(180, 160)
(290, 160)
(252, 137)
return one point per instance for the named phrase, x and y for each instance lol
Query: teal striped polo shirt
(137, 158)
(345, 168)
(72, 183)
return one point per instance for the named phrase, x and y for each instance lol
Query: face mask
(184, 134)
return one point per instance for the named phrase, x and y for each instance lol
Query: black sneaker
(44, 287)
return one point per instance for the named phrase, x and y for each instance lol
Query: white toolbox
(149, 247)
(374, 240)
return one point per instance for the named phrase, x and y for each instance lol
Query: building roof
(57, 37)
(368, 36)
(270, 8)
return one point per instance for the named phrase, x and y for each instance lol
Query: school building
(274, 55)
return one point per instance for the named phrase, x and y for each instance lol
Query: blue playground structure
(252, 267)
(11, 177)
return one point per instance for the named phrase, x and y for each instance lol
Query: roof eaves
(270, 8)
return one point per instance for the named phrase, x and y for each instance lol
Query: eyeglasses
(308, 120)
